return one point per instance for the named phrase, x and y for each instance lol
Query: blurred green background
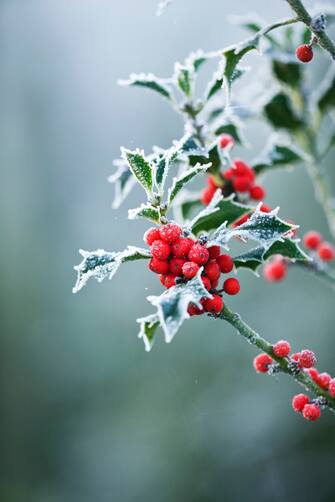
(87, 415)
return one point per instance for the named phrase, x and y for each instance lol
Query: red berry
(307, 358)
(214, 252)
(241, 220)
(331, 387)
(304, 53)
(262, 362)
(241, 184)
(313, 373)
(170, 233)
(231, 286)
(226, 140)
(211, 182)
(274, 271)
(241, 168)
(151, 235)
(181, 247)
(213, 305)
(312, 239)
(257, 192)
(225, 263)
(326, 251)
(162, 278)
(159, 266)
(212, 270)
(311, 412)
(190, 269)
(323, 380)
(299, 402)
(215, 284)
(265, 208)
(160, 250)
(206, 282)
(281, 348)
(170, 280)
(207, 195)
(229, 174)
(176, 266)
(199, 254)
(296, 356)
(194, 310)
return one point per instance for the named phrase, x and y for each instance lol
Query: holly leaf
(145, 211)
(184, 78)
(212, 155)
(196, 59)
(217, 82)
(327, 95)
(148, 81)
(231, 129)
(101, 264)
(233, 56)
(279, 112)
(179, 182)
(123, 182)
(173, 303)
(265, 228)
(277, 155)
(139, 167)
(148, 327)
(287, 71)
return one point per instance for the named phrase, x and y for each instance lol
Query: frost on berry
(281, 348)
(307, 358)
(299, 402)
(311, 412)
(262, 363)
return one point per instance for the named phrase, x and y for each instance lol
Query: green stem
(284, 365)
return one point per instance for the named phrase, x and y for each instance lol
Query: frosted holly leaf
(173, 303)
(198, 58)
(123, 182)
(149, 81)
(184, 78)
(216, 84)
(148, 327)
(265, 228)
(286, 68)
(288, 248)
(325, 94)
(233, 130)
(233, 56)
(145, 211)
(140, 167)
(277, 154)
(211, 155)
(179, 182)
(280, 113)
(101, 264)
(219, 211)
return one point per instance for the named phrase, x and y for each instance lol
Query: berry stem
(255, 339)
(323, 39)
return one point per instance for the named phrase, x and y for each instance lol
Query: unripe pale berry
(214, 252)
(151, 235)
(274, 271)
(331, 387)
(299, 402)
(226, 140)
(160, 250)
(176, 266)
(307, 358)
(213, 305)
(225, 263)
(257, 192)
(326, 251)
(159, 266)
(304, 53)
(231, 286)
(170, 233)
(311, 412)
(212, 270)
(181, 247)
(262, 362)
(190, 269)
(281, 348)
(198, 254)
(312, 239)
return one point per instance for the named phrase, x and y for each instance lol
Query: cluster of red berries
(177, 259)
(304, 360)
(240, 179)
(304, 53)
(314, 242)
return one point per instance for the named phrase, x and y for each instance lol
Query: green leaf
(212, 155)
(218, 212)
(287, 248)
(280, 113)
(265, 228)
(327, 95)
(288, 72)
(233, 56)
(277, 155)
(123, 182)
(196, 59)
(173, 303)
(148, 327)
(145, 211)
(101, 264)
(139, 167)
(149, 81)
(231, 129)
(216, 84)
(184, 178)
(184, 78)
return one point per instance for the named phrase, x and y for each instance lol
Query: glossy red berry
(331, 387)
(206, 282)
(241, 220)
(194, 310)
(304, 53)
(190, 269)
(313, 373)
(213, 305)
(160, 250)
(207, 195)
(326, 251)
(275, 271)
(215, 284)
(312, 240)
(323, 380)
(181, 247)
(151, 235)
(265, 208)
(212, 270)
(231, 286)
(225, 263)
(214, 252)
(176, 266)
(262, 362)
(226, 140)
(281, 348)
(170, 233)
(299, 402)
(199, 254)
(307, 358)
(241, 184)
(159, 266)
(170, 280)
(229, 174)
(257, 192)
(241, 168)
(311, 412)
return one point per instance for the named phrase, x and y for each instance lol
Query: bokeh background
(87, 415)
